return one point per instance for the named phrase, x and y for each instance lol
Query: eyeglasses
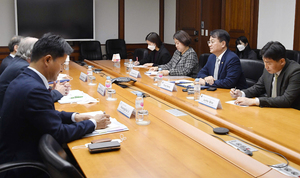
(210, 42)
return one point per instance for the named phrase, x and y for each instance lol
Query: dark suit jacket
(288, 87)
(163, 57)
(5, 62)
(11, 72)
(28, 114)
(230, 73)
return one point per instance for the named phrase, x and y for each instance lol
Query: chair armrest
(23, 164)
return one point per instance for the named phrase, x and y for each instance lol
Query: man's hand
(210, 80)
(165, 72)
(82, 117)
(136, 63)
(243, 101)
(64, 88)
(153, 69)
(234, 93)
(202, 81)
(102, 120)
(148, 64)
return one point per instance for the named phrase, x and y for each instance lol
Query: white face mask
(241, 47)
(151, 47)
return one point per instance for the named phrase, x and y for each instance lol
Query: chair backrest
(90, 50)
(141, 53)
(203, 59)
(253, 69)
(55, 159)
(114, 46)
(293, 55)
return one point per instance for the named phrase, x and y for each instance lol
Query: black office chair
(203, 59)
(90, 50)
(253, 69)
(55, 159)
(23, 164)
(114, 46)
(141, 53)
(257, 51)
(293, 55)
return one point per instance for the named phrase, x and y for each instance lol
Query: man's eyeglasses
(210, 42)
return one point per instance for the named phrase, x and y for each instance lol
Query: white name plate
(101, 89)
(168, 86)
(125, 109)
(210, 101)
(83, 77)
(135, 73)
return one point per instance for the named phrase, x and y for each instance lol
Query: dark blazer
(163, 57)
(12, 71)
(230, 73)
(5, 62)
(251, 55)
(29, 113)
(288, 87)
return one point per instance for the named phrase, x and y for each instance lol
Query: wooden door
(198, 18)
(240, 18)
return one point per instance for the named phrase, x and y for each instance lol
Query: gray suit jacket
(288, 87)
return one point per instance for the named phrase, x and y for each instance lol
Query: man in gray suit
(280, 81)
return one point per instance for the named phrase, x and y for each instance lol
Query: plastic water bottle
(90, 74)
(108, 82)
(130, 65)
(159, 77)
(197, 88)
(66, 64)
(139, 104)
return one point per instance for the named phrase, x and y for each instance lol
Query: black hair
(245, 53)
(221, 34)
(273, 50)
(14, 41)
(51, 44)
(183, 37)
(154, 38)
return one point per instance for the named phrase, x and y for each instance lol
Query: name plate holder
(125, 109)
(101, 89)
(168, 86)
(210, 101)
(83, 77)
(135, 73)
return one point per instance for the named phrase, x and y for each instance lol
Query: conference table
(179, 146)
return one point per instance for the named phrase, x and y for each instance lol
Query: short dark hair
(51, 44)
(183, 37)
(221, 34)
(273, 50)
(14, 41)
(154, 38)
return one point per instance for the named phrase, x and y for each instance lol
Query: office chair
(55, 159)
(293, 55)
(23, 164)
(203, 59)
(90, 50)
(141, 53)
(253, 69)
(257, 51)
(114, 46)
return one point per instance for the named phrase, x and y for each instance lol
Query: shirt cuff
(95, 123)
(73, 116)
(257, 101)
(243, 94)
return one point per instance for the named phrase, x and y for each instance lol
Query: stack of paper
(77, 96)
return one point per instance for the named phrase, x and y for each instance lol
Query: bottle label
(139, 104)
(90, 72)
(160, 75)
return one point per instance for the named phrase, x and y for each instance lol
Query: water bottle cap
(159, 69)
(130, 60)
(108, 77)
(197, 80)
(139, 94)
(90, 67)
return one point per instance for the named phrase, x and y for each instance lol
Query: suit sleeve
(290, 94)
(257, 89)
(233, 74)
(56, 95)
(46, 119)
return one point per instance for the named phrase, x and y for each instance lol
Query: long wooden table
(276, 129)
(168, 147)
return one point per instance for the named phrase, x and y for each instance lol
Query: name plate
(125, 109)
(210, 101)
(168, 86)
(83, 77)
(135, 73)
(101, 89)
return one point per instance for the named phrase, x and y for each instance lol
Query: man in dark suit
(29, 111)
(13, 47)
(223, 68)
(20, 63)
(280, 81)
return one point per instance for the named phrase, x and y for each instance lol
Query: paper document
(115, 126)
(232, 102)
(77, 96)
(140, 66)
(176, 112)
(151, 73)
